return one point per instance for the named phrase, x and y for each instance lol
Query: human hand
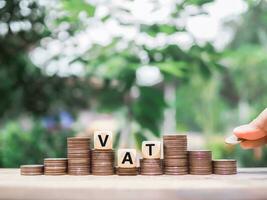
(254, 133)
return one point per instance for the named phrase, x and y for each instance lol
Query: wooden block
(103, 140)
(151, 149)
(126, 158)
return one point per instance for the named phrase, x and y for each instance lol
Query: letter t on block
(103, 140)
(127, 158)
(151, 149)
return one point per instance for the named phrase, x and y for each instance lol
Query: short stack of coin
(224, 166)
(55, 166)
(200, 162)
(175, 154)
(103, 162)
(131, 171)
(151, 166)
(79, 156)
(31, 170)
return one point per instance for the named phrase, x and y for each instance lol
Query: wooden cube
(126, 158)
(103, 140)
(151, 149)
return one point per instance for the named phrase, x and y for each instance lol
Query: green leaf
(173, 68)
(117, 140)
(139, 138)
(148, 109)
(155, 29)
(74, 7)
(198, 2)
(108, 99)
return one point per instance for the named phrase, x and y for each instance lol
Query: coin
(151, 166)
(102, 162)
(31, 170)
(55, 166)
(200, 162)
(233, 140)
(175, 154)
(79, 158)
(224, 166)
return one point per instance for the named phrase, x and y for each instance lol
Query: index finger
(250, 144)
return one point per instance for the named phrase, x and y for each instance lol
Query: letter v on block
(103, 140)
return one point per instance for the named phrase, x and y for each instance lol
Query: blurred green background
(138, 68)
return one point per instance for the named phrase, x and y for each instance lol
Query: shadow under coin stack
(224, 166)
(55, 166)
(79, 156)
(200, 162)
(31, 170)
(175, 154)
(151, 166)
(103, 162)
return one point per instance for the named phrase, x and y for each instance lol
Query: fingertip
(242, 131)
(238, 131)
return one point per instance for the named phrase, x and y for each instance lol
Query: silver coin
(233, 140)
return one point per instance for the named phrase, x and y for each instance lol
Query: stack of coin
(151, 166)
(79, 155)
(224, 166)
(200, 162)
(175, 154)
(103, 162)
(131, 171)
(31, 170)
(55, 166)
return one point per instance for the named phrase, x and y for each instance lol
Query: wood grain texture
(247, 184)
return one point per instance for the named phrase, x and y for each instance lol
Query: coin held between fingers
(233, 140)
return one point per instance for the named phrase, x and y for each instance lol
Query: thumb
(248, 132)
(261, 121)
(254, 130)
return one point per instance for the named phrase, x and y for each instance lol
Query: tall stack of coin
(103, 162)
(55, 166)
(130, 171)
(224, 166)
(175, 154)
(151, 166)
(79, 156)
(31, 170)
(200, 162)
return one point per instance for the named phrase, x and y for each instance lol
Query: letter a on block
(151, 149)
(103, 140)
(126, 158)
